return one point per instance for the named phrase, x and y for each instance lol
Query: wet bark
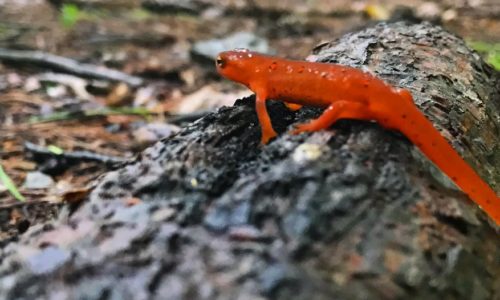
(354, 212)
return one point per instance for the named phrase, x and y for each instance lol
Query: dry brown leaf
(206, 98)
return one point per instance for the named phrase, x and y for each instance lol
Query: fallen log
(355, 212)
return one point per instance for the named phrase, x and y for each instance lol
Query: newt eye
(220, 62)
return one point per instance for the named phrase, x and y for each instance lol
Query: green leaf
(9, 184)
(139, 14)
(70, 14)
(54, 149)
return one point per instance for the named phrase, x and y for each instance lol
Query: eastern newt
(350, 93)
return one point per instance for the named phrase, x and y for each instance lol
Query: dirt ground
(59, 131)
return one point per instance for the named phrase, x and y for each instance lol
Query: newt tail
(442, 154)
(349, 93)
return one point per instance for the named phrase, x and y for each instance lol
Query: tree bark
(355, 212)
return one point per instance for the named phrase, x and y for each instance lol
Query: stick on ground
(68, 65)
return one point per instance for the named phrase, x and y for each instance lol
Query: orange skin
(349, 93)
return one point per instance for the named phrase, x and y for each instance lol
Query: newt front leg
(264, 119)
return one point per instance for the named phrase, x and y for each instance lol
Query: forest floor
(61, 127)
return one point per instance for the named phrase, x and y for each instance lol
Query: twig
(68, 65)
(73, 155)
(79, 114)
(186, 118)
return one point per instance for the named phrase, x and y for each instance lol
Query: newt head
(237, 65)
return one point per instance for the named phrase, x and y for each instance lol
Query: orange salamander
(349, 93)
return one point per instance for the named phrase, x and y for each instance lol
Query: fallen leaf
(207, 98)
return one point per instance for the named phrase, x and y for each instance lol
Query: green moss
(490, 51)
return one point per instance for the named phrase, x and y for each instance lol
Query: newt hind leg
(338, 110)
